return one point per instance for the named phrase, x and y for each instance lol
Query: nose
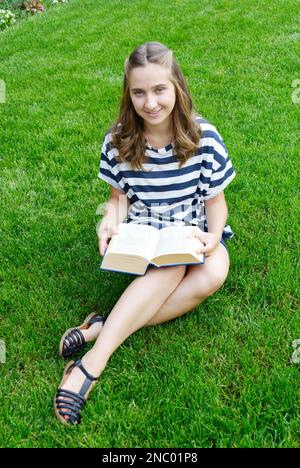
(150, 103)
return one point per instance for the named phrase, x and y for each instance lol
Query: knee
(176, 273)
(172, 274)
(218, 279)
(214, 280)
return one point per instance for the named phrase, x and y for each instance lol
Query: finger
(193, 232)
(99, 245)
(203, 249)
(207, 250)
(201, 235)
(103, 246)
(102, 232)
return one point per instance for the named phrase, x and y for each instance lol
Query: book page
(134, 239)
(125, 263)
(173, 240)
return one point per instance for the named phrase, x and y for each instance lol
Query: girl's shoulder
(210, 136)
(108, 137)
(208, 131)
(109, 132)
(207, 128)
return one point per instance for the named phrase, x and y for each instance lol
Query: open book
(136, 246)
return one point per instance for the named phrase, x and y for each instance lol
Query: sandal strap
(69, 403)
(96, 319)
(75, 337)
(71, 407)
(73, 415)
(75, 397)
(79, 364)
(73, 418)
(88, 380)
(73, 341)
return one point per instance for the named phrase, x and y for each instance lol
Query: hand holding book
(106, 231)
(210, 241)
(137, 246)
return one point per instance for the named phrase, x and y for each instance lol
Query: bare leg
(200, 282)
(137, 305)
(92, 332)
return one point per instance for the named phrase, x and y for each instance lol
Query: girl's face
(153, 94)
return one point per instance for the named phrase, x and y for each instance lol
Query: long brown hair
(127, 130)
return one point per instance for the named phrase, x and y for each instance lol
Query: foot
(74, 381)
(93, 331)
(74, 339)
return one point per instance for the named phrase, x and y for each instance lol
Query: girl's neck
(160, 133)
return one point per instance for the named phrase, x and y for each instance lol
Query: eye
(136, 93)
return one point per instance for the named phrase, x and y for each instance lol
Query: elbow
(217, 200)
(217, 206)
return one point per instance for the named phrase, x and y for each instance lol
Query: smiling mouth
(153, 113)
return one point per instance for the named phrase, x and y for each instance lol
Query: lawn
(222, 375)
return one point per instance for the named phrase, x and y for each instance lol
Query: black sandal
(73, 339)
(67, 403)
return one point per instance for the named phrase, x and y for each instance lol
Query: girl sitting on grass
(166, 165)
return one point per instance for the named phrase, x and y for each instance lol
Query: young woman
(166, 165)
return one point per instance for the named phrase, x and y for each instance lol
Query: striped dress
(163, 194)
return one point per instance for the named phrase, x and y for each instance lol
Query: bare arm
(216, 213)
(117, 206)
(116, 210)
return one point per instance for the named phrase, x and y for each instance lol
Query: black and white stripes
(162, 194)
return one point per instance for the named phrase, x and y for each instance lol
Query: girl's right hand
(105, 232)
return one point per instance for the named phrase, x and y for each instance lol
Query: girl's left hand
(209, 239)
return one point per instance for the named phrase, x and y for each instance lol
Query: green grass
(221, 376)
